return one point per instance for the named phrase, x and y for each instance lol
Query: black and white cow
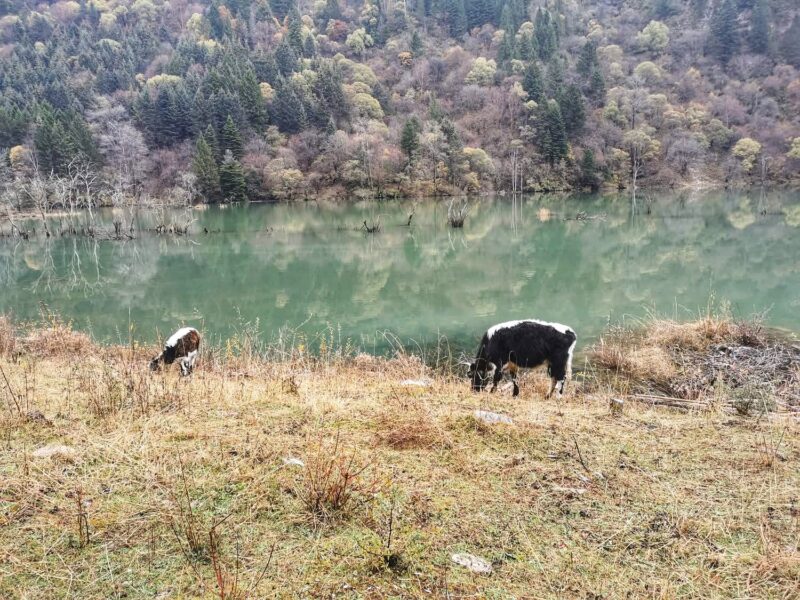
(507, 347)
(182, 346)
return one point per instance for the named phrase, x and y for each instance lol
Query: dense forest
(108, 101)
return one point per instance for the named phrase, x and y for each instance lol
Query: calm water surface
(307, 267)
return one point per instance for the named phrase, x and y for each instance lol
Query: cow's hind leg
(496, 377)
(512, 369)
(558, 375)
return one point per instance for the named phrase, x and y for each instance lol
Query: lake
(584, 260)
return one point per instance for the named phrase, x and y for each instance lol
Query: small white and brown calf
(507, 347)
(181, 346)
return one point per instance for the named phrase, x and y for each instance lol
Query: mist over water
(308, 267)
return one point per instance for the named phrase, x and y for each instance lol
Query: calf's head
(480, 372)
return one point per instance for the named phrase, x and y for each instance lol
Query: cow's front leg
(496, 377)
(512, 369)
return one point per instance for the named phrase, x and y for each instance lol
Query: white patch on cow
(178, 336)
(508, 324)
(569, 358)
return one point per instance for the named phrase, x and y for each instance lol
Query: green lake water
(307, 267)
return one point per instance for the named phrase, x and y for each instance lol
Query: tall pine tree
(456, 16)
(230, 139)
(759, 28)
(231, 179)
(205, 169)
(409, 139)
(790, 43)
(552, 133)
(723, 40)
(573, 109)
(532, 82)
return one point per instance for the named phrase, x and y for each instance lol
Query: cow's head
(480, 372)
(154, 364)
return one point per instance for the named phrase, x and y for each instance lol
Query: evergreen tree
(416, 44)
(281, 8)
(573, 110)
(588, 172)
(286, 58)
(527, 48)
(759, 28)
(663, 9)
(456, 17)
(329, 90)
(226, 104)
(13, 126)
(409, 139)
(506, 50)
(50, 142)
(61, 137)
(699, 8)
(210, 136)
(532, 82)
(295, 32)
(252, 101)
(546, 34)
(309, 47)
(587, 59)
(507, 20)
(219, 27)
(453, 147)
(790, 43)
(723, 41)
(205, 169)
(555, 78)
(231, 179)
(478, 12)
(597, 85)
(230, 139)
(266, 68)
(287, 111)
(552, 133)
(519, 13)
(332, 10)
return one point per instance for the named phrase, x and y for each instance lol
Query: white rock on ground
(492, 417)
(57, 451)
(476, 564)
(416, 382)
(292, 461)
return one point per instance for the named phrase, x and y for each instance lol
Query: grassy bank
(334, 477)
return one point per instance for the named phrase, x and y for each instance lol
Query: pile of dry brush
(737, 363)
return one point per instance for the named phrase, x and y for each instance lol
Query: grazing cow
(507, 347)
(182, 345)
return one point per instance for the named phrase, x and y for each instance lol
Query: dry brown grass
(673, 361)
(57, 339)
(8, 336)
(407, 423)
(191, 487)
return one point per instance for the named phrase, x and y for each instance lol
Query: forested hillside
(109, 100)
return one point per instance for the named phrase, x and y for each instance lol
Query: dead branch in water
(457, 215)
(374, 228)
